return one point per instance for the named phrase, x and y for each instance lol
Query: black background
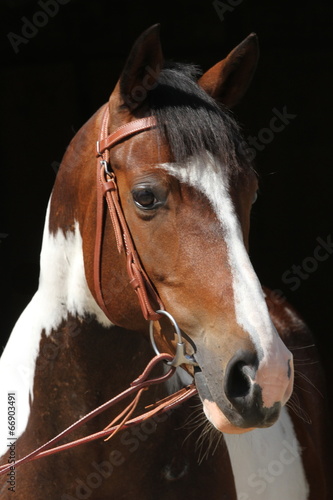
(68, 68)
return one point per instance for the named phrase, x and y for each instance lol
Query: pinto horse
(170, 153)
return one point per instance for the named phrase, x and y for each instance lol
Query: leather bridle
(107, 188)
(150, 302)
(142, 383)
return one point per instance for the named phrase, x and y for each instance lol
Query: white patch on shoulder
(267, 463)
(63, 289)
(208, 176)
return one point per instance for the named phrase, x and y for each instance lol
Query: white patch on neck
(208, 177)
(62, 290)
(267, 463)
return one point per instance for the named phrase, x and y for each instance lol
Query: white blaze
(209, 178)
(250, 307)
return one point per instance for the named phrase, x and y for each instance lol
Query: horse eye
(145, 199)
(255, 197)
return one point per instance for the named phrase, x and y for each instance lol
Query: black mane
(191, 121)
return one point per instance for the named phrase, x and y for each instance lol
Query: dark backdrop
(59, 63)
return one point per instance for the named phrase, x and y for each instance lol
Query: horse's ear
(141, 70)
(229, 79)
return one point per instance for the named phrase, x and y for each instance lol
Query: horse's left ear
(229, 79)
(141, 70)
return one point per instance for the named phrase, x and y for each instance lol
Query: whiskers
(303, 382)
(308, 381)
(208, 442)
(304, 361)
(294, 405)
(208, 438)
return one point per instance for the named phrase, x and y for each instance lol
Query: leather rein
(151, 305)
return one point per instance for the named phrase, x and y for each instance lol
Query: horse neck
(64, 341)
(62, 271)
(66, 264)
(63, 329)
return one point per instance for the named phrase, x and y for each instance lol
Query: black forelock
(191, 121)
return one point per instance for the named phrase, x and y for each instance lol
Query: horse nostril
(245, 395)
(238, 383)
(239, 375)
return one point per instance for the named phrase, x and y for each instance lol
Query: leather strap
(148, 298)
(142, 383)
(107, 190)
(123, 132)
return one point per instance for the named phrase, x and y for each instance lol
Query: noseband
(149, 300)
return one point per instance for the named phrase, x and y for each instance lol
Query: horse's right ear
(141, 70)
(229, 79)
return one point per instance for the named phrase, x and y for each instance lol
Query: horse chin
(213, 412)
(220, 421)
(230, 419)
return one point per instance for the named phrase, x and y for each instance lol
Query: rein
(139, 385)
(150, 302)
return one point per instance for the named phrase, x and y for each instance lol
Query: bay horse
(169, 147)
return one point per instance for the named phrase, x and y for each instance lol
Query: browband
(123, 132)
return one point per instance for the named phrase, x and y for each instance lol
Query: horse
(170, 157)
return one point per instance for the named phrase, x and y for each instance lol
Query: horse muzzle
(238, 394)
(235, 401)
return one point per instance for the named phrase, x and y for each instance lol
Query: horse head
(186, 189)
